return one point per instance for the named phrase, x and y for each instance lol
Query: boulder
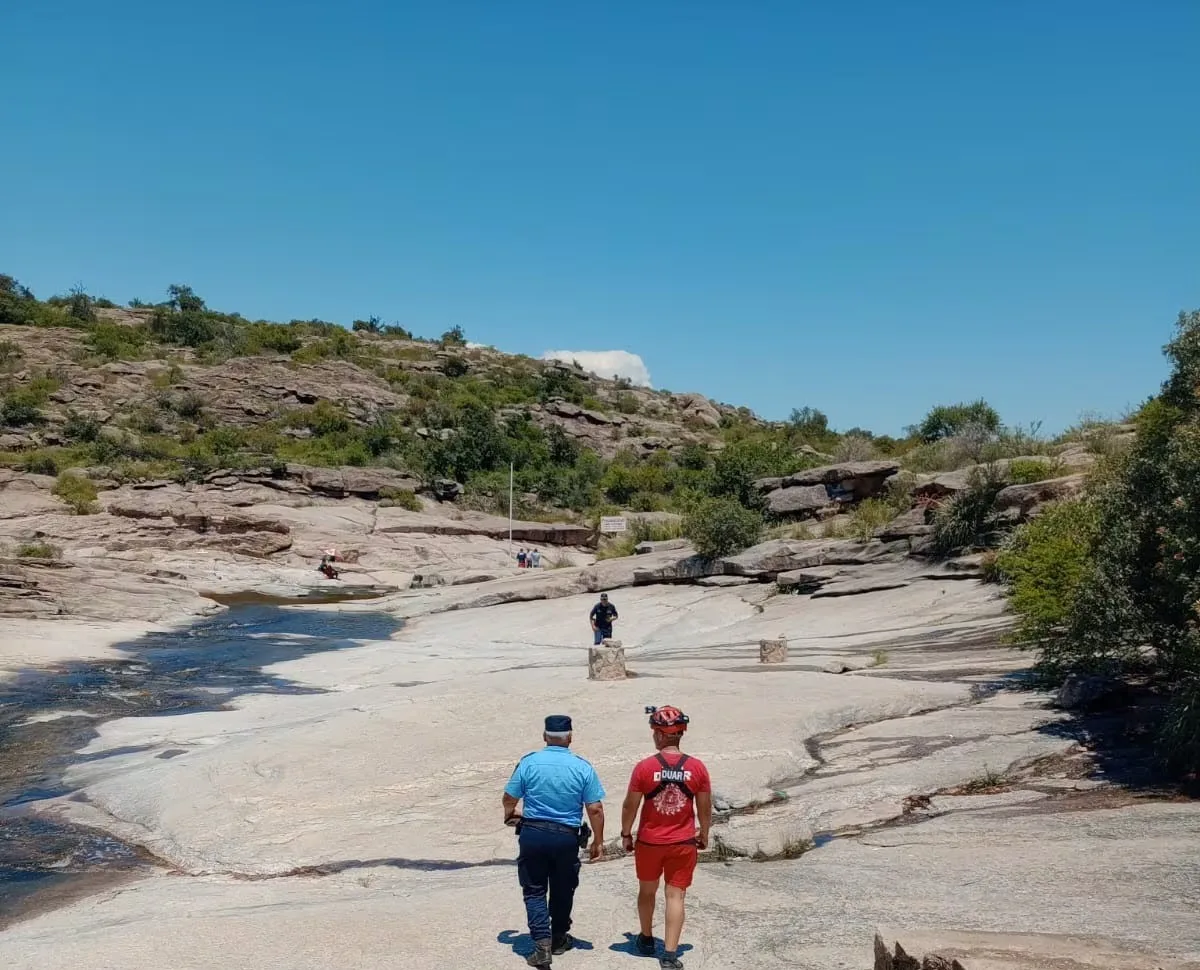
(772, 651)
(607, 661)
(797, 499)
(845, 472)
(1081, 691)
(1026, 498)
(447, 490)
(400, 521)
(660, 545)
(699, 410)
(907, 525)
(768, 559)
(945, 485)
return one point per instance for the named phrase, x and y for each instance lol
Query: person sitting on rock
(674, 793)
(602, 616)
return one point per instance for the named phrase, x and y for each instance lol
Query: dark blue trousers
(548, 863)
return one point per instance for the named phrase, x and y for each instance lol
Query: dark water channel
(198, 669)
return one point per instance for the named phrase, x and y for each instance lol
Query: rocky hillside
(202, 451)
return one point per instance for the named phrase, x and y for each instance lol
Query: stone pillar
(607, 661)
(772, 651)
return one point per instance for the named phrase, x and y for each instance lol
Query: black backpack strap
(666, 766)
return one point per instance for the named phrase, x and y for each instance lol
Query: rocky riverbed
(353, 817)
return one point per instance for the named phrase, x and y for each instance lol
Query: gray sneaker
(541, 956)
(669, 963)
(562, 944)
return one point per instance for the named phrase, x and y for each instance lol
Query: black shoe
(669, 963)
(562, 944)
(541, 956)
(645, 945)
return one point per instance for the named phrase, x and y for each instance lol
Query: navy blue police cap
(558, 724)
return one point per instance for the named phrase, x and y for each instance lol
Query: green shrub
(81, 427)
(10, 352)
(1043, 564)
(454, 337)
(872, 514)
(276, 337)
(950, 420)
(78, 492)
(968, 519)
(113, 341)
(627, 403)
(38, 549)
(455, 367)
(854, 447)
(40, 463)
(21, 407)
(187, 404)
(402, 498)
(1026, 471)
(721, 527)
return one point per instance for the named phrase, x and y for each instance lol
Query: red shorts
(676, 863)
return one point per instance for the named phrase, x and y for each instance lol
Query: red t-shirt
(669, 817)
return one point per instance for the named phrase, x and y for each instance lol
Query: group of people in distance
(529, 558)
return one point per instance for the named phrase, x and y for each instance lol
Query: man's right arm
(629, 810)
(514, 791)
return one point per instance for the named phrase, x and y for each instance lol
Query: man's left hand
(596, 851)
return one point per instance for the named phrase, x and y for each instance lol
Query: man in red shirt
(674, 793)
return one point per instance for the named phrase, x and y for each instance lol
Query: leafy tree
(564, 450)
(950, 420)
(736, 468)
(454, 337)
(17, 302)
(693, 457)
(477, 445)
(808, 421)
(184, 299)
(721, 527)
(555, 382)
(1044, 565)
(1132, 604)
(79, 305)
(370, 325)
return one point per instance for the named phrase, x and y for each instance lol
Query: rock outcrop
(807, 492)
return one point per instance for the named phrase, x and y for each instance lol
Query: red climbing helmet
(669, 720)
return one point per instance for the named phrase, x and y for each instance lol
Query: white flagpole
(510, 508)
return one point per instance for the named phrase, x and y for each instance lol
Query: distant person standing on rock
(556, 787)
(602, 616)
(521, 559)
(535, 558)
(674, 793)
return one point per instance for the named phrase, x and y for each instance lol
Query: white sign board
(613, 523)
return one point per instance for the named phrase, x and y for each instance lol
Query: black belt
(547, 826)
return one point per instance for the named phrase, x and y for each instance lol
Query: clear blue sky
(868, 208)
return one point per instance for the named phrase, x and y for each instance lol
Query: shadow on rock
(1120, 731)
(522, 943)
(629, 946)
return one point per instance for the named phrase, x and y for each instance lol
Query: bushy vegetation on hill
(464, 414)
(1110, 584)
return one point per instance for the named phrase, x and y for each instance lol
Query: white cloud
(471, 345)
(606, 363)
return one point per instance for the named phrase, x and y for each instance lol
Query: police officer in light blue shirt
(556, 787)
